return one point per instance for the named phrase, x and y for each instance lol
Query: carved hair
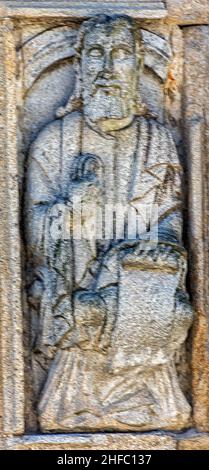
(75, 100)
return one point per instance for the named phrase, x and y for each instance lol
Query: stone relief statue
(112, 312)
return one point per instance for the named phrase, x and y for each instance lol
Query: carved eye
(96, 52)
(121, 53)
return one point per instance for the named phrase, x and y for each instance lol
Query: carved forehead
(115, 30)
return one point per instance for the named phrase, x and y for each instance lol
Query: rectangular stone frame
(11, 332)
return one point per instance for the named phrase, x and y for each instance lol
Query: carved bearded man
(111, 314)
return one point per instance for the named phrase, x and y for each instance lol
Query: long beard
(102, 106)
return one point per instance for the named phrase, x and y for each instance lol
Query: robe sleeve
(169, 195)
(49, 260)
(169, 202)
(158, 181)
(42, 189)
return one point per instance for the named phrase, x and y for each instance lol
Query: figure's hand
(90, 318)
(86, 198)
(57, 210)
(85, 192)
(164, 255)
(90, 309)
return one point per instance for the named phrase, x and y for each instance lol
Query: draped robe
(139, 164)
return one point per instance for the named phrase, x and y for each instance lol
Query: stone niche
(103, 130)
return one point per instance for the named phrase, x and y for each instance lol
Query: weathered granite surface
(115, 441)
(110, 112)
(180, 12)
(200, 442)
(142, 9)
(90, 295)
(196, 142)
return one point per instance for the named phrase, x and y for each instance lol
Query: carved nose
(108, 66)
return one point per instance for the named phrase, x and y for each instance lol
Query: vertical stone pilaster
(11, 350)
(196, 105)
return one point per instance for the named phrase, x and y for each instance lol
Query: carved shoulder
(47, 143)
(72, 122)
(162, 140)
(46, 150)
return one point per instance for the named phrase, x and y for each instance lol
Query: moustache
(106, 84)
